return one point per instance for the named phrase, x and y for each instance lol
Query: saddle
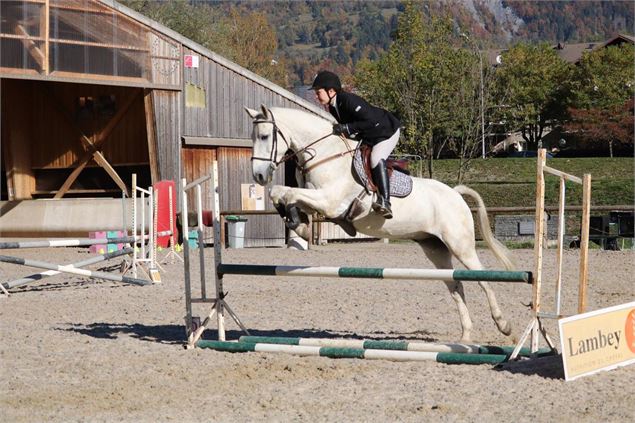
(400, 180)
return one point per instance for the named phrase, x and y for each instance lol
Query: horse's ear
(265, 112)
(251, 112)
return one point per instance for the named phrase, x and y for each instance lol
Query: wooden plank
(30, 45)
(44, 28)
(538, 241)
(584, 242)
(561, 174)
(96, 44)
(151, 133)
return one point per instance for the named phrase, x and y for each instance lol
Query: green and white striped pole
(341, 352)
(397, 345)
(377, 273)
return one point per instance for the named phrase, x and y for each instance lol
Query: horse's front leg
(289, 200)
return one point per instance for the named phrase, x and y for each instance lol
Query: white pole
(220, 312)
(561, 223)
(201, 243)
(134, 225)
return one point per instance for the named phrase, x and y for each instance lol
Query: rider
(372, 125)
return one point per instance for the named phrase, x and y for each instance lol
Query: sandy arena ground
(75, 349)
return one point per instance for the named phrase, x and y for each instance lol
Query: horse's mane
(303, 114)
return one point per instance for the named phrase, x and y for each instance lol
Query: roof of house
(571, 53)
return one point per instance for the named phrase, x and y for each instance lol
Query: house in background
(570, 53)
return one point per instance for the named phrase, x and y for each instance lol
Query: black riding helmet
(326, 80)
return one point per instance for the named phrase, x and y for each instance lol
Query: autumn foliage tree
(611, 125)
(603, 91)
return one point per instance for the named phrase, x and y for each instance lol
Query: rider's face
(323, 96)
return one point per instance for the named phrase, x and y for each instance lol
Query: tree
(413, 79)
(605, 77)
(466, 129)
(246, 38)
(535, 79)
(252, 43)
(609, 125)
(603, 91)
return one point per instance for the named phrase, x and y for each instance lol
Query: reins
(348, 150)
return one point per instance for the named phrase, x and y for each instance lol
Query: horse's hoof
(292, 225)
(506, 329)
(293, 217)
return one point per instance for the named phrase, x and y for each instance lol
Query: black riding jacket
(371, 124)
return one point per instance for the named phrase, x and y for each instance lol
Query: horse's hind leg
(441, 257)
(471, 261)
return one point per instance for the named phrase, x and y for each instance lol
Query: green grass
(507, 182)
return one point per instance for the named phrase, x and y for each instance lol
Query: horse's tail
(500, 251)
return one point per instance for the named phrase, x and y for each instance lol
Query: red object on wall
(163, 211)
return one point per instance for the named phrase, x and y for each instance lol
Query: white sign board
(599, 340)
(190, 61)
(252, 196)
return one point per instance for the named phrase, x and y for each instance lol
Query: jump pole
(219, 305)
(398, 345)
(39, 276)
(343, 352)
(73, 270)
(78, 242)
(376, 273)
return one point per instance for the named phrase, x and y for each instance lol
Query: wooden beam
(44, 27)
(584, 242)
(30, 45)
(91, 150)
(91, 147)
(97, 44)
(152, 136)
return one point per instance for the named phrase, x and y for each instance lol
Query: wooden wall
(234, 169)
(44, 122)
(167, 112)
(226, 93)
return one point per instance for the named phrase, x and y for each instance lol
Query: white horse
(433, 215)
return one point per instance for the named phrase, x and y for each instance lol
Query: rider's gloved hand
(340, 129)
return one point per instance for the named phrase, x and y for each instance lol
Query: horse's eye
(264, 137)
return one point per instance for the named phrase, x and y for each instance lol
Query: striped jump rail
(376, 273)
(343, 352)
(83, 263)
(80, 242)
(396, 345)
(73, 270)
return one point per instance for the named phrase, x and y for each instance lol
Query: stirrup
(385, 212)
(380, 207)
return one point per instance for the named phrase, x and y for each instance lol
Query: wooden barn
(92, 92)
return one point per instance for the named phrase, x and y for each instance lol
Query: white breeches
(382, 150)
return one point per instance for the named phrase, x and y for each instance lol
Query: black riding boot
(381, 180)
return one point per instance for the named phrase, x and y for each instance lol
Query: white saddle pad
(400, 183)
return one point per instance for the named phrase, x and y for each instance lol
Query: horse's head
(269, 145)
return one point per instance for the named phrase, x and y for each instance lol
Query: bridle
(274, 145)
(294, 154)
